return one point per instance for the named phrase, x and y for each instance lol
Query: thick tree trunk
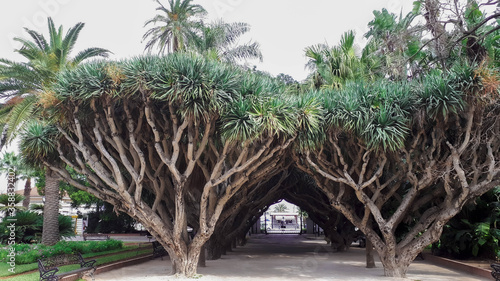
(242, 241)
(396, 266)
(27, 192)
(370, 261)
(214, 249)
(202, 260)
(338, 242)
(228, 247)
(185, 264)
(50, 230)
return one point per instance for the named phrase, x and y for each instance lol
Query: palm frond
(19, 114)
(39, 39)
(90, 53)
(70, 39)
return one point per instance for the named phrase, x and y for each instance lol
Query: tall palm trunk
(50, 231)
(27, 193)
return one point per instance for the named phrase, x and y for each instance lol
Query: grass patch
(32, 266)
(30, 253)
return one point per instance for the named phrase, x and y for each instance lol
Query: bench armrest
(89, 263)
(49, 273)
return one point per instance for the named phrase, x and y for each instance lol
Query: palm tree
(38, 146)
(11, 161)
(26, 84)
(280, 208)
(396, 43)
(219, 41)
(334, 66)
(176, 26)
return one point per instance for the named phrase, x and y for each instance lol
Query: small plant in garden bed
(33, 276)
(30, 253)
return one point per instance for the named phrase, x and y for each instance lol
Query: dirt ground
(283, 258)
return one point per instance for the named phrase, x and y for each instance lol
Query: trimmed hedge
(29, 253)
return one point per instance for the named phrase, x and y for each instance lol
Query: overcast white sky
(282, 27)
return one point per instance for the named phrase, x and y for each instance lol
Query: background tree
(280, 208)
(333, 67)
(12, 162)
(286, 79)
(219, 41)
(395, 44)
(23, 83)
(177, 26)
(458, 30)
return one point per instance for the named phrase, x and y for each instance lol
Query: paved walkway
(283, 258)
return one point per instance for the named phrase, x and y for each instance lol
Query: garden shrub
(29, 227)
(474, 231)
(30, 253)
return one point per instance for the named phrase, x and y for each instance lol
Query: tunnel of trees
(393, 142)
(181, 140)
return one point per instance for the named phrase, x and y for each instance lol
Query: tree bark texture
(50, 230)
(27, 192)
(370, 261)
(164, 170)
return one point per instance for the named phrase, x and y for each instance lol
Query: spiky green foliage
(247, 103)
(6, 200)
(440, 96)
(310, 119)
(381, 113)
(38, 143)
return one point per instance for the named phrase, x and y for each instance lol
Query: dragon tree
(411, 153)
(169, 140)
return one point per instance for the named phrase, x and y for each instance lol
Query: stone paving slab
(283, 258)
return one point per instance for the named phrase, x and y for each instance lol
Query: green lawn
(100, 260)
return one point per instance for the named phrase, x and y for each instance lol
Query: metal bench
(48, 267)
(496, 271)
(95, 236)
(158, 250)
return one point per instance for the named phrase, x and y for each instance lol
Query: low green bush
(29, 253)
(28, 227)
